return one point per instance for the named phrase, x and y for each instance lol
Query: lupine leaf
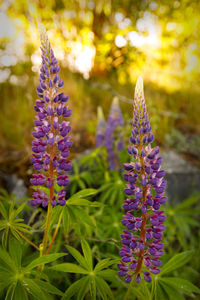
(182, 284)
(83, 216)
(104, 264)
(159, 292)
(79, 258)
(69, 268)
(107, 274)
(103, 288)
(172, 292)
(34, 289)
(66, 220)
(3, 211)
(188, 202)
(43, 260)
(20, 292)
(82, 194)
(6, 260)
(84, 288)
(73, 289)
(177, 261)
(93, 289)
(87, 254)
(83, 202)
(15, 251)
(48, 287)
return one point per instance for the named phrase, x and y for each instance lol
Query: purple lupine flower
(51, 145)
(145, 194)
(115, 119)
(101, 127)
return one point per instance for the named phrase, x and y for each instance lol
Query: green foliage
(18, 281)
(11, 222)
(182, 220)
(93, 281)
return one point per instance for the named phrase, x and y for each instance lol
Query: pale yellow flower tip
(42, 31)
(115, 103)
(139, 91)
(100, 115)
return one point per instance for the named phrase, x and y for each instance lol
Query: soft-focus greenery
(82, 261)
(102, 47)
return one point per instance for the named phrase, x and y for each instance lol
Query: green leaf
(34, 289)
(177, 261)
(66, 220)
(83, 202)
(15, 251)
(103, 288)
(6, 260)
(43, 260)
(188, 202)
(69, 268)
(82, 194)
(73, 289)
(48, 287)
(172, 292)
(79, 258)
(20, 292)
(181, 284)
(83, 217)
(84, 288)
(87, 254)
(3, 211)
(159, 292)
(108, 274)
(93, 288)
(104, 264)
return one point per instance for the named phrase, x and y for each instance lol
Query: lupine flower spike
(115, 119)
(145, 194)
(51, 145)
(101, 127)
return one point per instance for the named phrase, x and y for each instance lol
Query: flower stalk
(141, 241)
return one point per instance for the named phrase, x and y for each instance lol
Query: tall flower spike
(115, 119)
(145, 193)
(51, 144)
(101, 127)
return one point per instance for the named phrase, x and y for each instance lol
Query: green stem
(55, 232)
(128, 294)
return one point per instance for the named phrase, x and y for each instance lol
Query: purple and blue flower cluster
(145, 194)
(101, 127)
(115, 120)
(52, 142)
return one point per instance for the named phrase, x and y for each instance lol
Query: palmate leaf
(84, 193)
(49, 288)
(181, 284)
(171, 291)
(104, 264)
(44, 260)
(78, 257)
(84, 288)
(87, 254)
(177, 261)
(160, 292)
(69, 268)
(34, 289)
(103, 288)
(20, 292)
(73, 289)
(83, 202)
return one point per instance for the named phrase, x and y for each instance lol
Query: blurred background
(102, 47)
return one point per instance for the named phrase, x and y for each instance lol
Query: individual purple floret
(115, 119)
(145, 194)
(51, 145)
(101, 128)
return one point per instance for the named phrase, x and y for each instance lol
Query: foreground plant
(145, 190)
(51, 145)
